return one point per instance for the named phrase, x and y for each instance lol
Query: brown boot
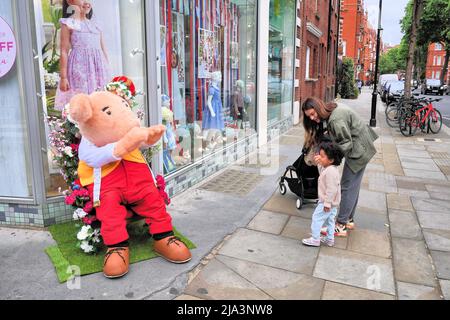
(116, 262)
(172, 249)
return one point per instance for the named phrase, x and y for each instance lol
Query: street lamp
(373, 120)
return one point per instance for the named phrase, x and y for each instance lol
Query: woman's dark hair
(332, 151)
(313, 130)
(67, 12)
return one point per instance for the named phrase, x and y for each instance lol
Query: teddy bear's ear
(80, 109)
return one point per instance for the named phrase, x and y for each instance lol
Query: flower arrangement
(64, 140)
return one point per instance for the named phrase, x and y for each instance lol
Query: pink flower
(70, 199)
(89, 219)
(74, 147)
(88, 207)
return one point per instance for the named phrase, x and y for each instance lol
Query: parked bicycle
(427, 118)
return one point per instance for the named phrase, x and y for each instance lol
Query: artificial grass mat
(66, 254)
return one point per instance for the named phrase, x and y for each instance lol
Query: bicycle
(420, 117)
(393, 109)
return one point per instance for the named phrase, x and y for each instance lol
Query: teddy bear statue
(118, 178)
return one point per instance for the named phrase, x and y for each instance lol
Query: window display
(208, 70)
(84, 45)
(281, 59)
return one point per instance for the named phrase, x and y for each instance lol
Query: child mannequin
(169, 138)
(238, 103)
(212, 116)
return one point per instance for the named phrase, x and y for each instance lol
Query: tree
(415, 23)
(347, 88)
(435, 27)
(392, 61)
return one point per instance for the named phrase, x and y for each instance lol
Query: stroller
(302, 180)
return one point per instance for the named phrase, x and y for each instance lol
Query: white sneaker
(311, 242)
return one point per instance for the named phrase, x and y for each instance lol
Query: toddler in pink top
(329, 191)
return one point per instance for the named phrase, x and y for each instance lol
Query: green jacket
(354, 137)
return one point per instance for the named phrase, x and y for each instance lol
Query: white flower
(84, 233)
(68, 151)
(79, 214)
(86, 247)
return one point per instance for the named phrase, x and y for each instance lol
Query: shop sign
(8, 48)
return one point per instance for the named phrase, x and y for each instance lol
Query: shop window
(308, 61)
(208, 70)
(15, 164)
(282, 27)
(84, 44)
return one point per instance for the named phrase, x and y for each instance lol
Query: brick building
(358, 38)
(317, 36)
(435, 62)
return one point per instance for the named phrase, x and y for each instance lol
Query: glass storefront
(15, 164)
(208, 70)
(282, 27)
(83, 54)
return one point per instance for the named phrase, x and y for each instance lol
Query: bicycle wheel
(392, 115)
(435, 121)
(408, 123)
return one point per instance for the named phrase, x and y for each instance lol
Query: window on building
(438, 75)
(308, 57)
(439, 61)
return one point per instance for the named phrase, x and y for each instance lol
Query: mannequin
(169, 139)
(238, 103)
(213, 123)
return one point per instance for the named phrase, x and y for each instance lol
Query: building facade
(317, 36)
(358, 39)
(179, 54)
(435, 62)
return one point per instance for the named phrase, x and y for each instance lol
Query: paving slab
(434, 220)
(411, 291)
(412, 263)
(277, 283)
(218, 282)
(370, 242)
(438, 192)
(337, 291)
(404, 153)
(425, 174)
(372, 200)
(371, 220)
(286, 204)
(300, 228)
(445, 287)
(399, 202)
(420, 166)
(431, 205)
(270, 250)
(441, 261)
(382, 182)
(404, 224)
(270, 222)
(355, 269)
(437, 239)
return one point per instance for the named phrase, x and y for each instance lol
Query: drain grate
(234, 182)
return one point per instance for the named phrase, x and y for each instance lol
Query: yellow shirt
(86, 173)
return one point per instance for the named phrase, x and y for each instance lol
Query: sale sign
(8, 48)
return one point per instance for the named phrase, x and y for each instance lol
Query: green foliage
(393, 61)
(347, 87)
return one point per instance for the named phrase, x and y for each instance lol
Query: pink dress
(87, 68)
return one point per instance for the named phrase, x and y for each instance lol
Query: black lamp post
(373, 120)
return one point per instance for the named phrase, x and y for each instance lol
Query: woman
(84, 61)
(355, 139)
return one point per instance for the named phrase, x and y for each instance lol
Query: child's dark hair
(67, 12)
(332, 151)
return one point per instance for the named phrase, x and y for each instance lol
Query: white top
(96, 157)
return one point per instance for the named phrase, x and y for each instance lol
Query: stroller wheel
(283, 189)
(299, 203)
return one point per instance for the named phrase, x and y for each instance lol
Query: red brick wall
(432, 66)
(322, 58)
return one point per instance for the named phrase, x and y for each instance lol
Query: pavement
(248, 235)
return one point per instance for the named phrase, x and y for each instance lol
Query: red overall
(130, 184)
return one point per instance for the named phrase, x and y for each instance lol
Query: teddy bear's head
(103, 117)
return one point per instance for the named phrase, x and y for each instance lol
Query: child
(328, 160)
(84, 66)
